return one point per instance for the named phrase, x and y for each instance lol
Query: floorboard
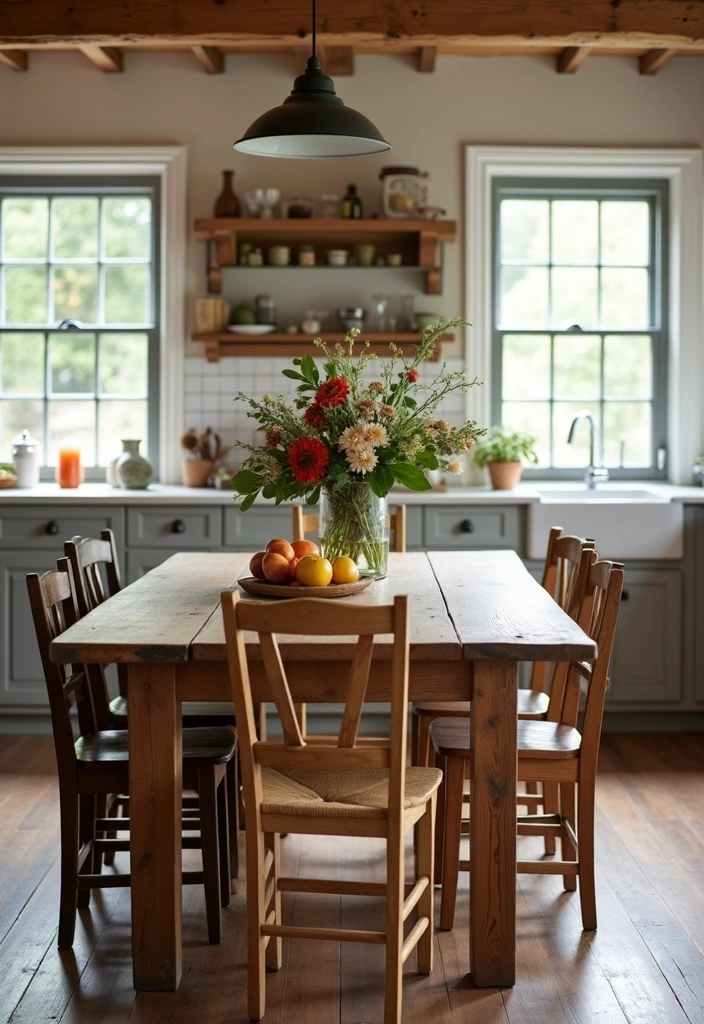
(645, 965)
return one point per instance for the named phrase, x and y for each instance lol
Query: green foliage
(504, 445)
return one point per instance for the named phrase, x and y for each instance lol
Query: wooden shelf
(418, 241)
(228, 343)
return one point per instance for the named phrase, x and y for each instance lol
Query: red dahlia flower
(308, 458)
(314, 415)
(412, 375)
(332, 392)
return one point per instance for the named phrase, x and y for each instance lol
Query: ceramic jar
(25, 459)
(133, 471)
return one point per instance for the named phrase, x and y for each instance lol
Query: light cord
(313, 29)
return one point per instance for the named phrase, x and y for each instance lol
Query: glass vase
(355, 522)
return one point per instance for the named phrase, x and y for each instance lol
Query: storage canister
(25, 459)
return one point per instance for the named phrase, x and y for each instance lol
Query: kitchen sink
(625, 522)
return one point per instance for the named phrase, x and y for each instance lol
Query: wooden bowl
(262, 588)
(8, 481)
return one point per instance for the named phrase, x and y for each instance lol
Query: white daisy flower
(361, 459)
(377, 434)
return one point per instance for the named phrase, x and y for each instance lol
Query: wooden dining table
(474, 616)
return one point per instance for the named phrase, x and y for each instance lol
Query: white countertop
(49, 494)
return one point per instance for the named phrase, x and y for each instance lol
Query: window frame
(168, 163)
(656, 191)
(100, 186)
(684, 170)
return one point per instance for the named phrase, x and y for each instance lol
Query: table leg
(492, 906)
(155, 826)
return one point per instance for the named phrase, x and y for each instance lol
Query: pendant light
(313, 122)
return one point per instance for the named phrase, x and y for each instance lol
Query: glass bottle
(227, 204)
(351, 204)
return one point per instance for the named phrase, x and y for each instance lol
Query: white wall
(167, 99)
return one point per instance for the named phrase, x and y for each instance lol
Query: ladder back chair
(96, 576)
(337, 787)
(96, 765)
(552, 750)
(562, 561)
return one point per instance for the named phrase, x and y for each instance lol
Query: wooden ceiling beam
(210, 58)
(571, 58)
(603, 23)
(427, 57)
(337, 60)
(18, 60)
(105, 58)
(651, 62)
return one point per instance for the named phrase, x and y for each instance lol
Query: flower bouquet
(346, 441)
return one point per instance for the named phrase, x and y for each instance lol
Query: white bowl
(338, 257)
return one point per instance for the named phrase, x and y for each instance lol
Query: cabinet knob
(178, 526)
(625, 596)
(52, 528)
(467, 526)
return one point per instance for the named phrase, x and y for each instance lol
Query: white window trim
(168, 163)
(684, 170)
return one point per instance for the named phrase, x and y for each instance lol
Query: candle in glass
(69, 472)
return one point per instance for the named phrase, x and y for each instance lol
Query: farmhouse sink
(625, 522)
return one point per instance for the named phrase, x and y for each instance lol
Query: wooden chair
(96, 575)
(308, 522)
(559, 575)
(548, 751)
(330, 788)
(97, 765)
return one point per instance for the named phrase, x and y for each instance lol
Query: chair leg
(424, 756)
(274, 950)
(440, 812)
(87, 812)
(551, 805)
(233, 815)
(567, 812)
(113, 811)
(101, 811)
(209, 850)
(394, 927)
(256, 887)
(585, 837)
(415, 720)
(453, 830)
(69, 871)
(426, 829)
(223, 803)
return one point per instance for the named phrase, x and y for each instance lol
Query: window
(79, 332)
(579, 315)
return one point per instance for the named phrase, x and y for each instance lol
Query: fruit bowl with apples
(297, 569)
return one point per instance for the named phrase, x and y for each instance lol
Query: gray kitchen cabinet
(698, 623)
(138, 562)
(22, 676)
(250, 531)
(462, 526)
(46, 528)
(154, 526)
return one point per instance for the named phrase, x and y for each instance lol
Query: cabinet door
(251, 530)
(174, 528)
(646, 663)
(463, 526)
(22, 682)
(47, 527)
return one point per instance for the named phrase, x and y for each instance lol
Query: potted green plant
(503, 452)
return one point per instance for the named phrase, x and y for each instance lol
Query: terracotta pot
(195, 472)
(504, 475)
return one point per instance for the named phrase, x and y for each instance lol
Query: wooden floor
(644, 965)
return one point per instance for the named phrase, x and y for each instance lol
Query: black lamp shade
(312, 122)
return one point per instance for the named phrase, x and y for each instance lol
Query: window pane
(627, 434)
(72, 363)
(127, 295)
(127, 226)
(123, 364)
(574, 296)
(117, 420)
(575, 231)
(577, 366)
(75, 420)
(624, 298)
(22, 364)
(16, 416)
(526, 366)
(25, 295)
(625, 233)
(577, 453)
(524, 298)
(25, 227)
(524, 229)
(628, 366)
(532, 418)
(75, 228)
(76, 293)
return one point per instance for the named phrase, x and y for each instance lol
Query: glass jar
(265, 308)
(355, 522)
(330, 207)
(255, 258)
(306, 255)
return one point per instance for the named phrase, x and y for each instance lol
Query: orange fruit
(276, 568)
(314, 571)
(305, 547)
(255, 565)
(279, 546)
(344, 570)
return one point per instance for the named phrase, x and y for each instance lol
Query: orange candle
(69, 472)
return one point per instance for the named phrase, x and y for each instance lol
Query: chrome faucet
(592, 473)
